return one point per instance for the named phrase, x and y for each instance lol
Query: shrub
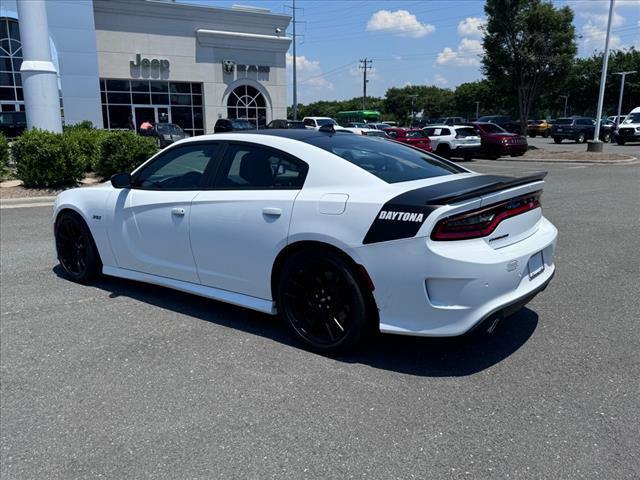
(4, 156)
(44, 159)
(123, 151)
(87, 140)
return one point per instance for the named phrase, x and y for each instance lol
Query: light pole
(566, 98)
(477, 110)
(596, 144)
(413, 104)
(623, 75)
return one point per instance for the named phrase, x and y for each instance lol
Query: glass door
(142, 115)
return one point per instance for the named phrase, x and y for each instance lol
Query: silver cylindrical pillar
(39, 80)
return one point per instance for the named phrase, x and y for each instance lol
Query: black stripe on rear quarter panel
(403, 215)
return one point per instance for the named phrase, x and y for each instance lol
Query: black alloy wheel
(322, 301)
(76, 249)
(581, 138)
(606, 138)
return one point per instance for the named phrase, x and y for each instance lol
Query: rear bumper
(443, 289)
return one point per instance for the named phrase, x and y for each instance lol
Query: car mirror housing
(121, 180)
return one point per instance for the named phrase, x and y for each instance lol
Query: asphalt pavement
(123, 380)
(632, 149)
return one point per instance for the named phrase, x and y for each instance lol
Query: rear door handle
(178, 212)
(272, 211)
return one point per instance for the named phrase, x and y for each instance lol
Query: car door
(149, 231)
(239, 226)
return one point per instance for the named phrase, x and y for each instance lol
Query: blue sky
(433, 42)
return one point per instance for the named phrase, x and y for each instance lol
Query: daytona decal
(401, 216)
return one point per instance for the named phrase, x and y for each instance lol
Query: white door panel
(150, 233)
(236, 235)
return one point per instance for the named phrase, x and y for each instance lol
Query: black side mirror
(121, 180)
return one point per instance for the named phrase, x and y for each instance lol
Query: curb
(628, 161)
(27, 202)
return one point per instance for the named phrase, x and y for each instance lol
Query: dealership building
(118, 63)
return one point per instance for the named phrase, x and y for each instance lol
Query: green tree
(527, 45)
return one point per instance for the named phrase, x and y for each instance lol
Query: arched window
(247, 102)
(11, 98)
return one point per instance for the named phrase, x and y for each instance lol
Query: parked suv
(538, 127)
(317, 122)
(504, 121)
(165, 133)
(579, 129)
(453, 141)
(224, 125)
(629, 129)
(496, 141)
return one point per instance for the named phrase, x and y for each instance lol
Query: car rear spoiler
(479, 186)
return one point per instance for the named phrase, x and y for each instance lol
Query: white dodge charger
(341, 234)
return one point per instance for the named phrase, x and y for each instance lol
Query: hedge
(88, 140)
(123, 151)
(4, 156)
(45, 160)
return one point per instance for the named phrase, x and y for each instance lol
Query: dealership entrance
(154, 114)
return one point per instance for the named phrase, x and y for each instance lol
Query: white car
(370, 132)
(340, 234)
(453, 141)
(629, 129)
(317, 122)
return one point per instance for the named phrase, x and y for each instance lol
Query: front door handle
(272, 211)
(178, 212)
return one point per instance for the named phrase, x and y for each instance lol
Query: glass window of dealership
(216, 63)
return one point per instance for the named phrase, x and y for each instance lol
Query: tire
(76, 250)
(546, 134)
(467, 157)
(620, 141)
(532, 134)
(581, 138)
(444, 151)
(606, 138)
(340, 319)
(557, 139)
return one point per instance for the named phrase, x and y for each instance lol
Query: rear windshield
(389, 161)
(242, 125)
(325, 121)
(564, 121)
(466, 132)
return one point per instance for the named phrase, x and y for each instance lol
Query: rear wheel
(322, 301)
(606, 137)
(545, 134)
(532, 134)
(76, 249)
(557, 139)
(581, 138)
(444, 151)
(620, 141)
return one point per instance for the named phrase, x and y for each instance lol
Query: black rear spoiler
(480, 186)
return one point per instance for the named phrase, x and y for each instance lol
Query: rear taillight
(482, 222)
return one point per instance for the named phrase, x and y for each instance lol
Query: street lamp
(596, 144)
(477, 109)
(413, 104)
(623, 75)
(566, 98)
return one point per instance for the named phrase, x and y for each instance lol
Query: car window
(564, 121)
(179, 168)
(415, 134)
(326, 121)
(465, 132)
(390, 161)
(254, 167)
(491, 128)
(309, 123)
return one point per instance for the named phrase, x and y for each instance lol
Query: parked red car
(496, 141)
(411, 136)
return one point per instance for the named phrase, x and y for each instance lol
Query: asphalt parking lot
(632, 149)
(122, 380)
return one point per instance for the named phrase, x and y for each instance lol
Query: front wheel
(620, 141)
(581, 138)
(321, 299)
(546, 134)
(557, 139)
(532, 134)
(76, 249)
(606, 138)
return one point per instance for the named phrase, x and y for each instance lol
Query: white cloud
(471, 27)
(440, 80)
(593, 38)
(308, 71)
(400, 22)
(601, 19)
(466, 55)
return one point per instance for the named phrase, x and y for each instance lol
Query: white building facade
(122, 62)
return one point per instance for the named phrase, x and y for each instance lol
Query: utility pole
(566, 98)
(477, 110)
(413, 109)
(294, 9)
(365, 66)
(623, 75)
(596, 145)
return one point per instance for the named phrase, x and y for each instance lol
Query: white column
(39, 80)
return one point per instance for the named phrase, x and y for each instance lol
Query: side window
(253, 167)
(180, 168)
(429, 131)
(309, 123)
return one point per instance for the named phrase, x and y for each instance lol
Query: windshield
(389, 161)
(564, 121)
(632, 118)
(492, 128)
(326, 121)
(169, 129)
(241, 125)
